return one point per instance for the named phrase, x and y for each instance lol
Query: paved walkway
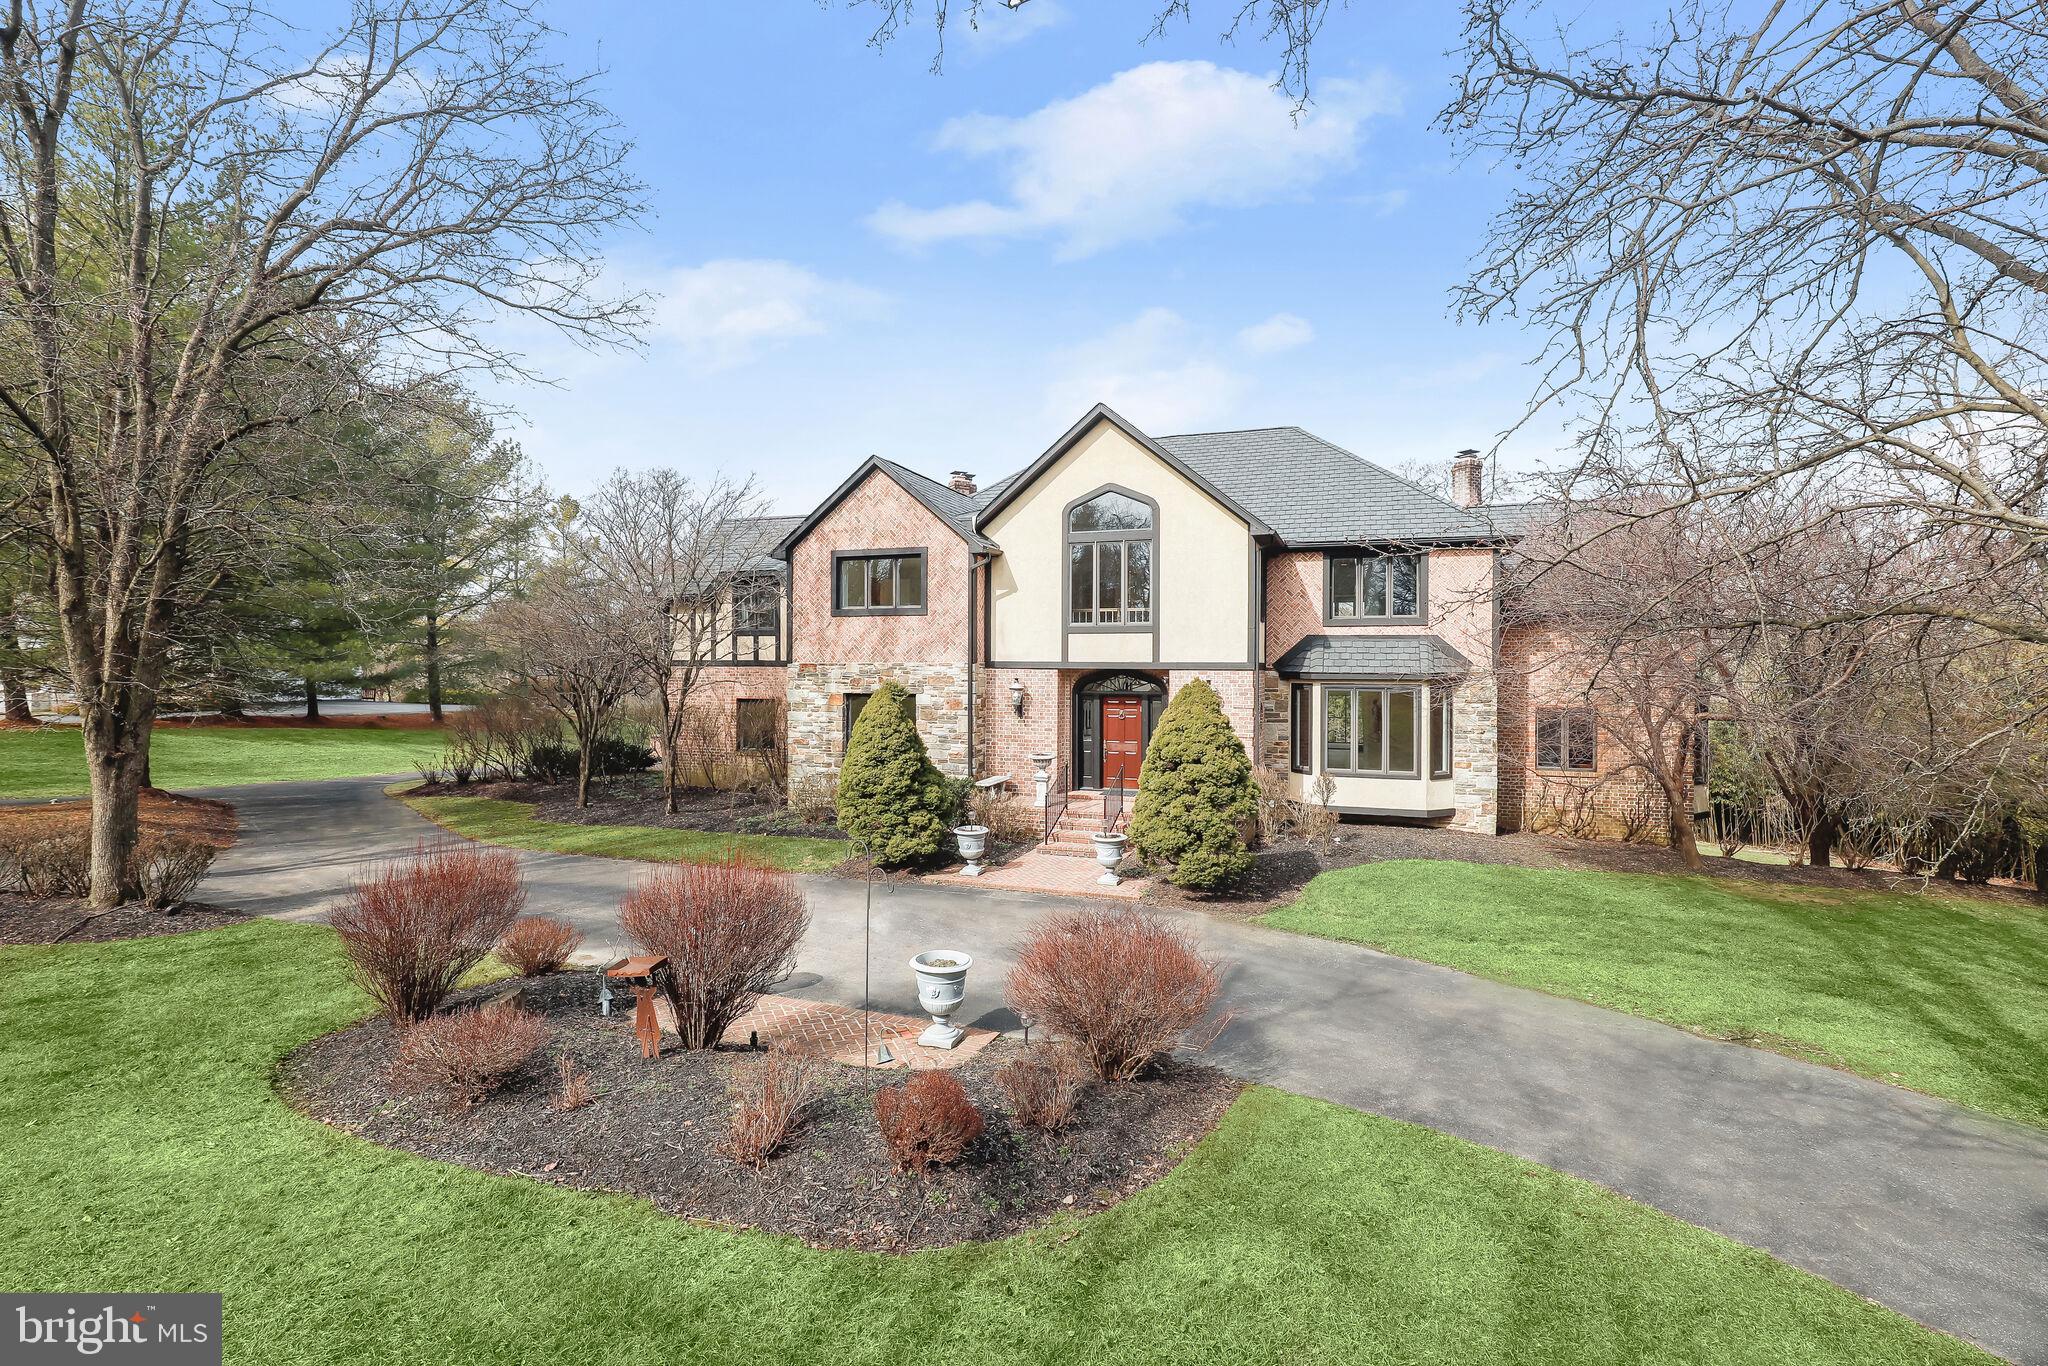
(1934, 1210)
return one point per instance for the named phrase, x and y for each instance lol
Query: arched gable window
(1109, 560)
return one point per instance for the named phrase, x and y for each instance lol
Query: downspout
(976, 563)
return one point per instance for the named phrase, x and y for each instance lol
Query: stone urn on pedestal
(941, 986)
(973, 842)
(1109, 852)
(1041, 780)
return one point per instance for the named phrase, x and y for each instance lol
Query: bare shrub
(1123, 986)
(1043, 1091)
(573, 1092)
(928, 1120)
(49, 866)
(169, 868)
(1639, 816)
(769, 1100)
(1008, 817)
(538, 943)
(1316, 819)
(1277, 806)
(729, 930)
(467, 1054)
(412, 927)
(815, 798)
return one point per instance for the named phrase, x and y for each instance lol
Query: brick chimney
(962, 483)
(1465, 479)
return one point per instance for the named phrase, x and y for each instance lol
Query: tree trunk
(1679, 801)
(582, 772)
(1820, 841)
(117, 766)
(15, 696)
(671, 761)
(433, 658)
(312, 700)
(2041, 869)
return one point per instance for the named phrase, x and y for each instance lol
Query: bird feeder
(643, 975)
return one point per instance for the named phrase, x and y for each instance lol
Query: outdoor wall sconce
(1016, 697)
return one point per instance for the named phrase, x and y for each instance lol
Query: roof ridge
(1242, 431)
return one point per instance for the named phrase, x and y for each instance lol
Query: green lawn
(1944, 994)
(496, 821)
(146, 1149)
(51, 762)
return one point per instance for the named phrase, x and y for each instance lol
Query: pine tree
(1195, 792)
(893, 801)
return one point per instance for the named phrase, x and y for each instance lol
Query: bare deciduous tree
(681, 554)
(1792, 245)
(569, 641)
(209, 236)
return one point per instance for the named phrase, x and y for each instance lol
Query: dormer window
(1372, 588)
(1109, 561)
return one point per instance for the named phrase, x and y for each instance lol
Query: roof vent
(1465, 479)
(962, 483)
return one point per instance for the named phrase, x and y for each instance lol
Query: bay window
(1370, 731)
(1439, 732)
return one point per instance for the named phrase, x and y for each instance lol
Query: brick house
(1347, 618)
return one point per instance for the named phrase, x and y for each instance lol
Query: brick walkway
(784, 1021)
(1038, 871)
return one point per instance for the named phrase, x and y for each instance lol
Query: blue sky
(856, 256)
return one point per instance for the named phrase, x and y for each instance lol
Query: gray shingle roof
(945, 501)
(1371, 657)
(751, 542)
(1313, 493)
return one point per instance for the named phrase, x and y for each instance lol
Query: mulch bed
(1280, 871)
(162, 813)
(25, 920)
(653, 1128)
(635, 799)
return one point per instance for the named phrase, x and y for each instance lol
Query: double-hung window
(1373, 588)
(1110, 543)
(1567, 739)
(1370, 731)
(878, 583)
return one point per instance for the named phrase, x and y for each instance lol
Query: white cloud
(1000, 26)
(727, 312)
(1384, 203)
(1281, 332)
(1129, 159)
(1152, 369)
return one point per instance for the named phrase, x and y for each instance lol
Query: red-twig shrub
(1122, 986)
(171, 867)
(927, 1120)
(467, 1054)
(1043, 1091)
(412, 927)
(769, 1100)
(538, 943)
(730, 931)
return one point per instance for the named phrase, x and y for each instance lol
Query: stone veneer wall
(817, 718)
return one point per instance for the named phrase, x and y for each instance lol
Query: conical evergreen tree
(893, 801)
(1195, 792)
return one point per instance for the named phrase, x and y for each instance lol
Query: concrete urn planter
(1109, 852)
(973, 842)
(941, 986)
(1041, 779)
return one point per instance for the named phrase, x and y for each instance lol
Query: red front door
(1123, 740)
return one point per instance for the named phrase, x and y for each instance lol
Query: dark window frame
(1301, 728)
(1442, 730)
(916, 552)
(1565, 718)
(1420, 617)
(1069, 538)
(1385, 691)
(848, 714)
(739, 726)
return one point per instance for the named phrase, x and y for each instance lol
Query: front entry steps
(1073, 836)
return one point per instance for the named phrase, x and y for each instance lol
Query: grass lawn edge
(499, 821)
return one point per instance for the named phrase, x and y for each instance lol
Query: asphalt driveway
(1934, 1210)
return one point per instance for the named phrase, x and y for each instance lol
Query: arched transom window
(1109, 561)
